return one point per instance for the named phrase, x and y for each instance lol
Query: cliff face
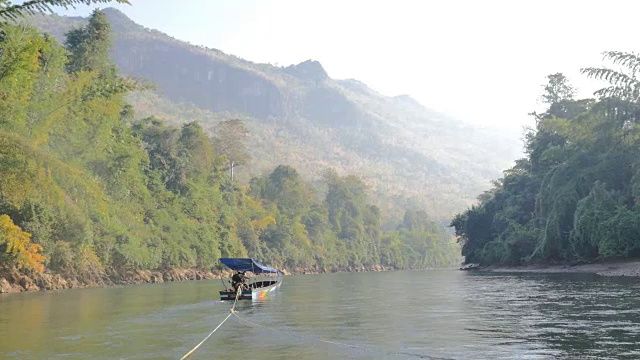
(299, 115)
(198, 77)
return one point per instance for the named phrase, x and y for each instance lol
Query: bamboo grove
(87, 189)
(575, 197)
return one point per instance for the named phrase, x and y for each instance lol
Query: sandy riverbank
(608, 268)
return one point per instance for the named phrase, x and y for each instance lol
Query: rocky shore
(298, 271)
(604, 268)
(13, 281)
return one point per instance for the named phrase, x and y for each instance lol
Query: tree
(574, 198)
(286, 188)
(229, 140)
(557, 89)
(195, 150)
(18, 248)
(558, 94)
(620, 102)
(624, 85)
(161, 145)
(89, 46)
(20, 52)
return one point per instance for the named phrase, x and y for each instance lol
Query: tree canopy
(574, 197)
(90, 190)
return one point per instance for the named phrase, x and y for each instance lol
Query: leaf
(18, 246)
(13, 12)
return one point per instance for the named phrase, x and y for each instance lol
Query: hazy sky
(481, 61)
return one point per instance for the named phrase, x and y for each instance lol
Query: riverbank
(604, 268)
(13, 281)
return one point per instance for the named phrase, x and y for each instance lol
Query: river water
(438, 314)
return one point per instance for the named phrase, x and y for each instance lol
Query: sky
(483, 62)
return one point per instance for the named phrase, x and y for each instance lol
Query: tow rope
(253, 324)
(232, 312)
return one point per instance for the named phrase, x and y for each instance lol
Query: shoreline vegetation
(14, 281)
(575, 196)
(96, 193)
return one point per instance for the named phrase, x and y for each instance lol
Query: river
(436, 314)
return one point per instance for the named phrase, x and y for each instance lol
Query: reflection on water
(411, 314)
(579, 316)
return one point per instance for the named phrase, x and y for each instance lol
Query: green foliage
(100, 191)
(591, 215)
(20, 61)
(89, 45)
(624, 85)
(10, 11)
(343, 231)
(16, 248)
(230, 140)
(557, 89)
(574, 198)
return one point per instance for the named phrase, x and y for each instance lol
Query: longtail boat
(252, 288)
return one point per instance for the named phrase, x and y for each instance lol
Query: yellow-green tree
(18, 249)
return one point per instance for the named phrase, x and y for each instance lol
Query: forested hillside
(298, 115)
(575, 196)
(90, 189)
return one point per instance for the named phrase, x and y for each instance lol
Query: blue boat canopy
(246, 264)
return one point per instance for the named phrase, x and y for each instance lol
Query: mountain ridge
(299, 115)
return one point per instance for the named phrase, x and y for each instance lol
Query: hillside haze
(299, 115)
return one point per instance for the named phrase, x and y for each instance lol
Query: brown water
(404, 315)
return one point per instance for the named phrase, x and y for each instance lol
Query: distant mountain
(299, 115)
